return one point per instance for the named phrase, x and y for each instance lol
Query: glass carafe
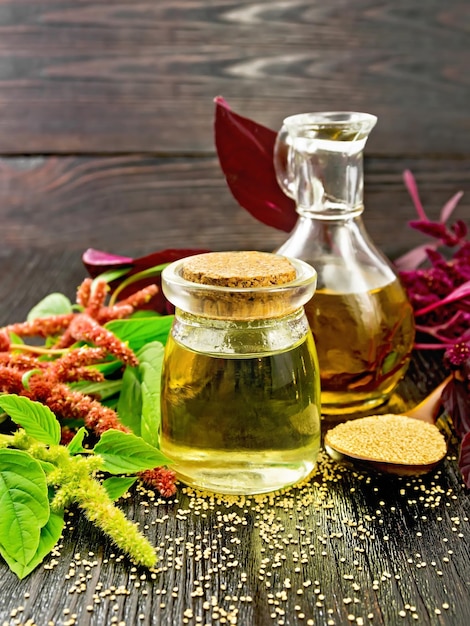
(360, 316)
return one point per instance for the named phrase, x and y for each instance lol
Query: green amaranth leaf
(75, 446)
(111, 275)
(24, 508)
(46, 466)
(109, 367)
(14, 338)
(149, 272)
(52, 304)
(150, 370)
(50, 535)
(37, 419)
(116, 486)
(139, 401)
(125, 453)
(129, 406)
(139, 331)
(100, 390)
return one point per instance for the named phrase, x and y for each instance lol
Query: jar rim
(305, 275)
(252, 302)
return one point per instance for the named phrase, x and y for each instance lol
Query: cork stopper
(240, 270)
(242, 286)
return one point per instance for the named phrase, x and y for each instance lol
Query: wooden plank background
(106, 141)
(106, 112)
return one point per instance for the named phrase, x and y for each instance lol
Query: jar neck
(236, 338)
(205, 321)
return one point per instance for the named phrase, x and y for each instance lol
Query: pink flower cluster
(436, 276)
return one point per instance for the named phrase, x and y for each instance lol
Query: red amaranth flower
(41, 327)
(4, 341)
(69, 404)
(83, 292)
(88, 325)
(85, 328)
(162, 479)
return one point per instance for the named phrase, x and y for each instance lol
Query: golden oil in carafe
(364, 340)
(245, 424)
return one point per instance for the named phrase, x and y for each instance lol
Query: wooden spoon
(426, 411)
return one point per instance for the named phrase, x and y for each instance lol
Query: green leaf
(75, 445)
(100, 390)
(139, 402)
(125, 453)
(109, 367)
(24, 508)
(117, 486)
(389, 362)
(37, 419)
(52, 304)
(14, 338)
(129, 406)
(150, 370)
(50, 535)
(145, 313)
(139, 331)
(150, 272)
(27, 375)
(46, 466)
(111, 275)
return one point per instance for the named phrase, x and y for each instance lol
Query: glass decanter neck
(319, 162)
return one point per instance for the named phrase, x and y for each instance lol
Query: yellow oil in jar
(241, 424)
(364, 341)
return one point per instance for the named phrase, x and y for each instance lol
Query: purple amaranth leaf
(456, 401)
(448, 236)
(246, 151)
(98, 262)
(449, 206)
(98, 259)
(413, 258)
(412, 187)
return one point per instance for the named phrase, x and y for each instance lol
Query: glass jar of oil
(360, 316)
(240, 391)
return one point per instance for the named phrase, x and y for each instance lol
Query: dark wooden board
(138, 204)
(106, 141)
(123, 76)
(347, 548)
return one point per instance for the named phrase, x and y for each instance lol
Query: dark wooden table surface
(106, 141)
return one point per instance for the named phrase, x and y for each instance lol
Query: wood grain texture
(106, 141)
(140, 76)
(134, 205)
(384, 551)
